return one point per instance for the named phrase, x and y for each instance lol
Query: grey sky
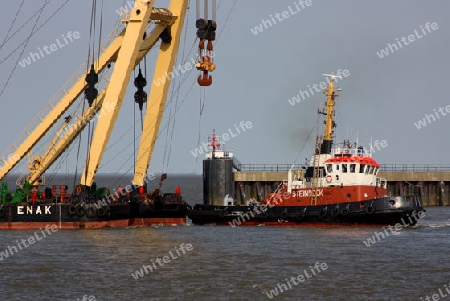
(257, 74)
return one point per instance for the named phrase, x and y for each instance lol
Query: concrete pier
(430, 181)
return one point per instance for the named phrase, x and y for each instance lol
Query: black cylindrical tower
(218, 181)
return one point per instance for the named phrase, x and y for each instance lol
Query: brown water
(242, 263)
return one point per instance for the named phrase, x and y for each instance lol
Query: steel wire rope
(91, 130)
(47, 142)
(168, 143)
(109, 147)
(12, 24)
(100, 35)
(170, 99)
(38, 28)
(124, 134)
(91, 40)
(164, 126)
(161, 130)
(58, 166)
(176, 107)
(80, 106)
(61, 161)
(226, 20)
(187, 93)
(202, 105)
(64, 157)
(24, 47)
(193, 83)
(93, 26)
(178, 90)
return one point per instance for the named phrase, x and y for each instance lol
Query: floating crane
(125, 51)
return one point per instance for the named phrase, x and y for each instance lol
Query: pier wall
(431, 182)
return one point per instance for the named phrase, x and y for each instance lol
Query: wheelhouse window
(352, 168)
(329, 168)
(366, 170)
(361, 168)
(372, 169)
(344, 167)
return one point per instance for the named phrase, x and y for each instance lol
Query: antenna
(332, 76)
(357, 138)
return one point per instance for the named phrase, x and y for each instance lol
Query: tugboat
(340, 186)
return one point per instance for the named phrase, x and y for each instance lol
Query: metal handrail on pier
(384, 167)
(269, 167)
(415, 167)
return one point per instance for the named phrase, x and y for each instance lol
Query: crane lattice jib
(120, 77)
(163, 17)
(79, 125)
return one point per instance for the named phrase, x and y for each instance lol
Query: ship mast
(329, 123)
(214, 142)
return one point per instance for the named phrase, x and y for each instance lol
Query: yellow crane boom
(116, 90)
(158, 94)
(53, 154)
(127, 50)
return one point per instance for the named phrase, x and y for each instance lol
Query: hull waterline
(382, 211)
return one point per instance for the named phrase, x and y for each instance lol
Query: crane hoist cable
(175, 94)
(176, 109)
(140, 97)
(206, 30)
(202, 106)
(14, 51)
(91, 92)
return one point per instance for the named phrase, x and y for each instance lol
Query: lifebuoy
(222, 213)
(72, 209)
(90, 211)
(370, 209)
(329, 178)
(300, 215)
(344, 212)
(335, 211)
(101, 211)
(80, 211)
(108, 211)
(322, 213)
